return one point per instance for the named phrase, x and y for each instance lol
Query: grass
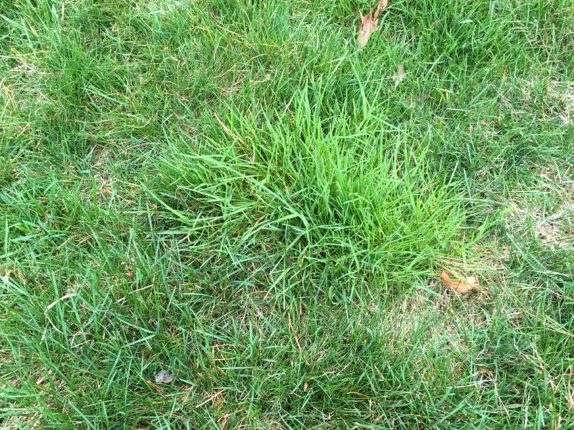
(232, 192)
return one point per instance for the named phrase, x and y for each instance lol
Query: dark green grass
(232, 192)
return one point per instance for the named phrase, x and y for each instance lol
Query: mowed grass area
(232, 192)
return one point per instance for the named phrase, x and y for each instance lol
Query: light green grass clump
(307, 197)
(232, 192)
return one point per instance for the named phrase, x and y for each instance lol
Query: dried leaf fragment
(370, 23)
(368, 26)
(400, 76)
(163, 377)
(460, 287)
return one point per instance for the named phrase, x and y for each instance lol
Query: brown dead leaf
(460, 287)
(370, 23)
(368, 27)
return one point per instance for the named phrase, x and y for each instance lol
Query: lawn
(225, 214)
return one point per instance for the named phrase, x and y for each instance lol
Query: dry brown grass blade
(370, 23)
(460, 287)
